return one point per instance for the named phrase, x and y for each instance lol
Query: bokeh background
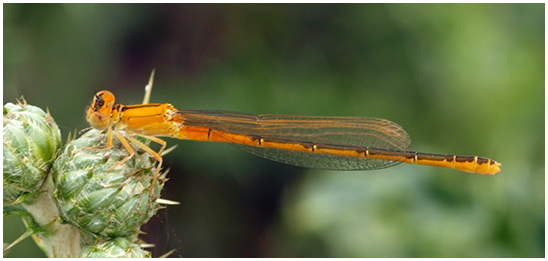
(460, 78)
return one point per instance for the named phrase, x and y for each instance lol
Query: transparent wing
(355, 133)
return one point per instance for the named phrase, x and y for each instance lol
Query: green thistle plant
(31, 141)
(117, 247)
(100, 196)
(80, 203)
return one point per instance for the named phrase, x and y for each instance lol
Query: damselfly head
(98, 114)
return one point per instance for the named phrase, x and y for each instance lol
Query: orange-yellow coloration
(276, 136)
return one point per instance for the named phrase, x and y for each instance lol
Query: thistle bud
(99, 195)
(31, 142)
(119, 247)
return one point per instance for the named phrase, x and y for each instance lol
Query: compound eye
(98, 103)
(103, 99)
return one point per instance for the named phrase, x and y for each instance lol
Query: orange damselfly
(338, 143)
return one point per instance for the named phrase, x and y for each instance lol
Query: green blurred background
(460, 78)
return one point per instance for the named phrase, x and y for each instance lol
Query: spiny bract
(31, 142)
(119, 247)
(105, 201)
